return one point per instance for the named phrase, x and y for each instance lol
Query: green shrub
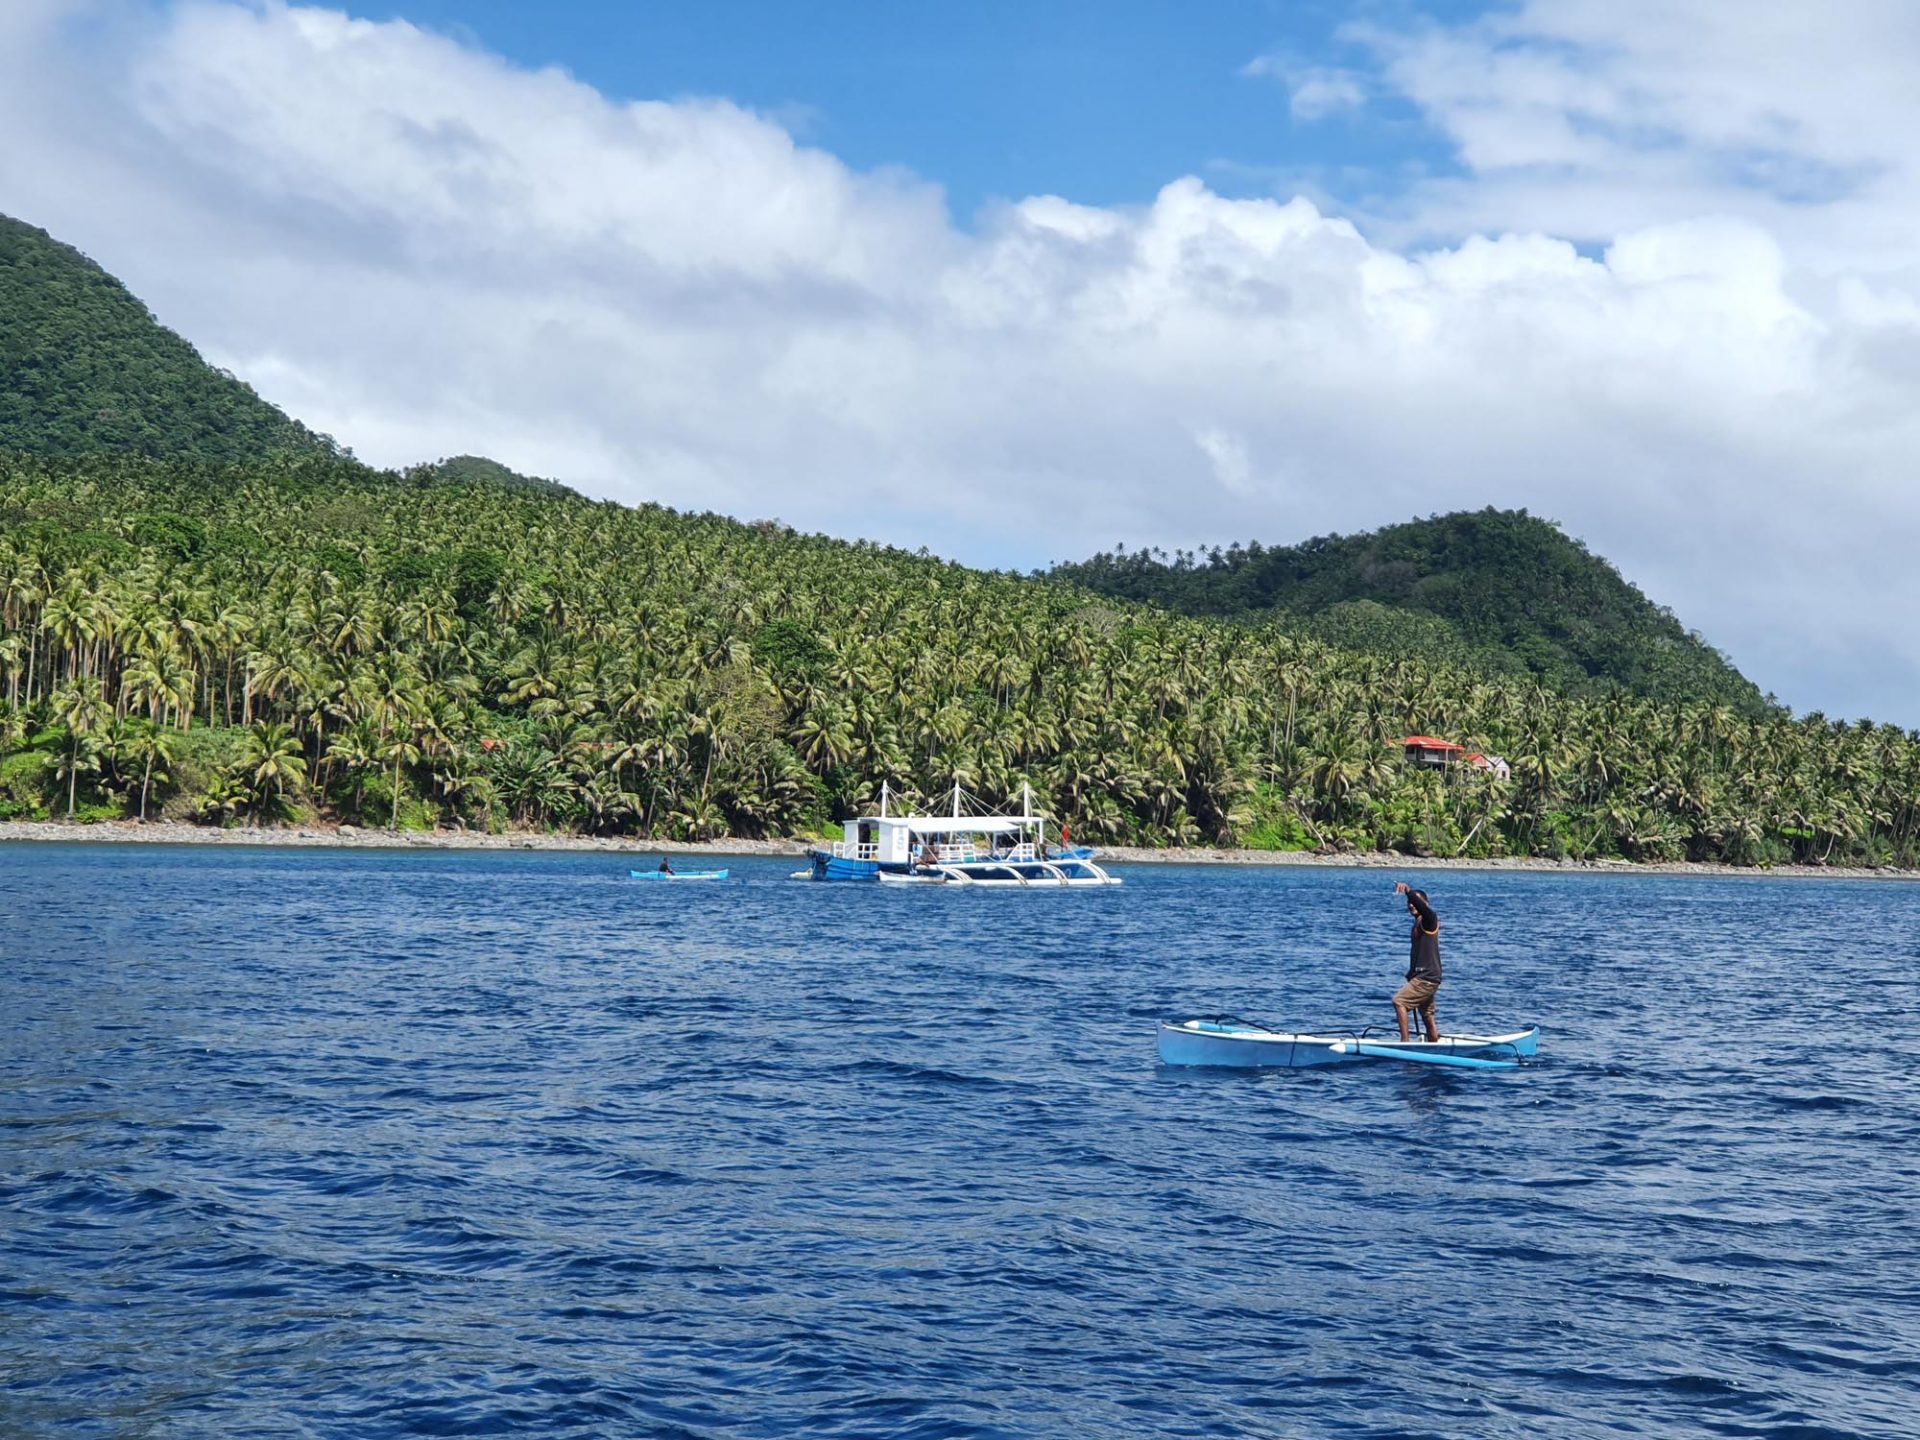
(1272, 823)
(1279, 832)
(376, 806)
(26, 785)
(200, 756)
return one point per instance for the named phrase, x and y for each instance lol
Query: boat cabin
(900, 839)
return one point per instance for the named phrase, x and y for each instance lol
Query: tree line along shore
(301, 640)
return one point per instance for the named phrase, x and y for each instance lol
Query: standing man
(1423, 966)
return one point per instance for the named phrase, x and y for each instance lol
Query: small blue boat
(1240, 1044)
(677, 874)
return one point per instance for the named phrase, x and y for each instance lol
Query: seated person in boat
(1423, 965)
(928, 854)
(665, 868)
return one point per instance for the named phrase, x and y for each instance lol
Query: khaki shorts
(1417, 994)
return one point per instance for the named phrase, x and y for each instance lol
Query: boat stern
(823, 864)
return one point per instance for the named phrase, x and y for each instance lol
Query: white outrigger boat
(1241, 1044)
(965, 850)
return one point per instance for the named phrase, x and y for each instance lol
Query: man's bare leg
(1400, 1011)
(1433, 1023)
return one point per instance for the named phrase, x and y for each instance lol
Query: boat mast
(956, 799)
(883, 799)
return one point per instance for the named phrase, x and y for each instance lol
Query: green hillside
(310, 640)
(289, 635)
(1497, 590)
(85, 369)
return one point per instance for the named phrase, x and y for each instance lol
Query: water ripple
(359, 1145)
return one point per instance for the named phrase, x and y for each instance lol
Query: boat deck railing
(967, 853)
(959, 852)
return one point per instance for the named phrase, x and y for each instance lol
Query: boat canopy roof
(960, 824)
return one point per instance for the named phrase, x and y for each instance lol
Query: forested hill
(310, 640)
(253, 626)
(1494, 590)
(479, 470)
(86, 369)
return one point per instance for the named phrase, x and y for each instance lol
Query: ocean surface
(351, 1144)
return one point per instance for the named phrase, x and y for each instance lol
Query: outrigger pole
(1414, 1057)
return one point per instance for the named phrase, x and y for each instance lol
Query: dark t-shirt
(1424, 964)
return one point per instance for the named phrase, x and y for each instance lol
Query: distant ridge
(1498, 590)
(479, 470)
(85, 369)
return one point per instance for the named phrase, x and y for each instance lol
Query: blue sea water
(349, 1144)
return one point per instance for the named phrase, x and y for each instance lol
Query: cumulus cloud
(424, 249)
(1587, 118)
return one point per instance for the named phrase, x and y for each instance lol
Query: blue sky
(998, 100)
(1016, 282)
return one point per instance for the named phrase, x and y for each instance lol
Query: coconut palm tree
(273, 764)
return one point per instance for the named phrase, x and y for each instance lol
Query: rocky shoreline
(1390, 860)
(352, 837)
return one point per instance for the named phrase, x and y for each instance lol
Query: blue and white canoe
(1238, 1044)
(677, 874)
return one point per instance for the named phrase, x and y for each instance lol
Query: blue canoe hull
(830, 867)
(677, 875)
(1236, 1045)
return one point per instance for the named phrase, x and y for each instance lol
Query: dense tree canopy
(1499, 591)
(84, 368)
(479, 470)
(292, 637)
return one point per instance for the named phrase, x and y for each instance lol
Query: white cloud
(1321, 93)
(1591, 117)
(425, 249)
(1232, 466)
(1314, 91)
